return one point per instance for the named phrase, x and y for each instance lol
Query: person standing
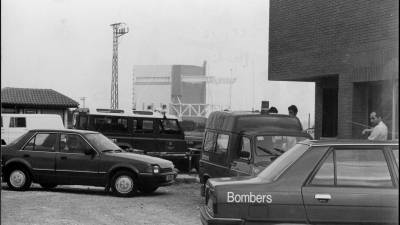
(292, 110)
(379, 131)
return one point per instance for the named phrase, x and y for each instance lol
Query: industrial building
(349, 49)
(155, 86)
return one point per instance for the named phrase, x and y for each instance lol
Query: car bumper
(207, 219)
(157, 179)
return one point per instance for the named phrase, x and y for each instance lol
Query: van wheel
(48, 185)
(123, 184)
(148, 189)
(19, 179)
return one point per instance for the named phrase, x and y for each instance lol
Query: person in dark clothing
(292, 110)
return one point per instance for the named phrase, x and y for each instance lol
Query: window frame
(56, 144)
(332, 150)
(214, 141)
(13, 122)
(87, 142)
(227, 144)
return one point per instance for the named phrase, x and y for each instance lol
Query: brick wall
(309, 38)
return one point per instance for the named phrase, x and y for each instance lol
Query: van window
(222, 143)
(209, 141)
(143, 126)
(168, 126)
(17, 122)
(147, 126)
(115, 124)
(246, 147)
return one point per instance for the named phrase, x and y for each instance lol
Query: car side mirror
(244, 154)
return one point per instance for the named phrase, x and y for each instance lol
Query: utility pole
(119, 29)
(83, 101)
(230, 93)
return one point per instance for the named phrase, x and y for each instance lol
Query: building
(349, 49)
(42, 101)
(169, 85)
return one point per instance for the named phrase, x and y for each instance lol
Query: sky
(66, 45)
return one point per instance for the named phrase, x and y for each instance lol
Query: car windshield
(273, 146)
(277, 167)
(101, 142)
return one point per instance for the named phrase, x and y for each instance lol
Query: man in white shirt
(379, 131)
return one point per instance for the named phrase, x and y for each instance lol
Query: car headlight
(156, 169)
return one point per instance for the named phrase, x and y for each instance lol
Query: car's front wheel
(123, 184)
(19, 179)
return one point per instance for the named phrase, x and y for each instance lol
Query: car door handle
(323, 197)
(63, 157)
(26, 155)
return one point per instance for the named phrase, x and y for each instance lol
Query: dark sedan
(315, 182)
(77, 157)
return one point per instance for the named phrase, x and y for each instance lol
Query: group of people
(378, 132)
(291, 109)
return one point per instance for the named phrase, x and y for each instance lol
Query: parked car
(244, 143)
(315, 182)
(15, 125)
(54, 157)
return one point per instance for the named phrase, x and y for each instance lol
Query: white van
(14, 125)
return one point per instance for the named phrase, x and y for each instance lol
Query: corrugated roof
(35, 97)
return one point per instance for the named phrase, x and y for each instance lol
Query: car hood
(163, 163)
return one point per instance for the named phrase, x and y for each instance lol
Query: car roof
(338, 142)
(64, 130)
(276, 132)
(242, 121)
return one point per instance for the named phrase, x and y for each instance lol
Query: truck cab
(244, 143)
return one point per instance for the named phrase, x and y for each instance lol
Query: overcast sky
(66, 45)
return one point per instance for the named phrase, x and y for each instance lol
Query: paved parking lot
(176, 204)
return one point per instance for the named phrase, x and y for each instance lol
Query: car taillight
(211, 201)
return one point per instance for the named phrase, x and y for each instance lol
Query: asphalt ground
(76, 205)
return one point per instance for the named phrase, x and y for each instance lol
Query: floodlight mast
(119, 29)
